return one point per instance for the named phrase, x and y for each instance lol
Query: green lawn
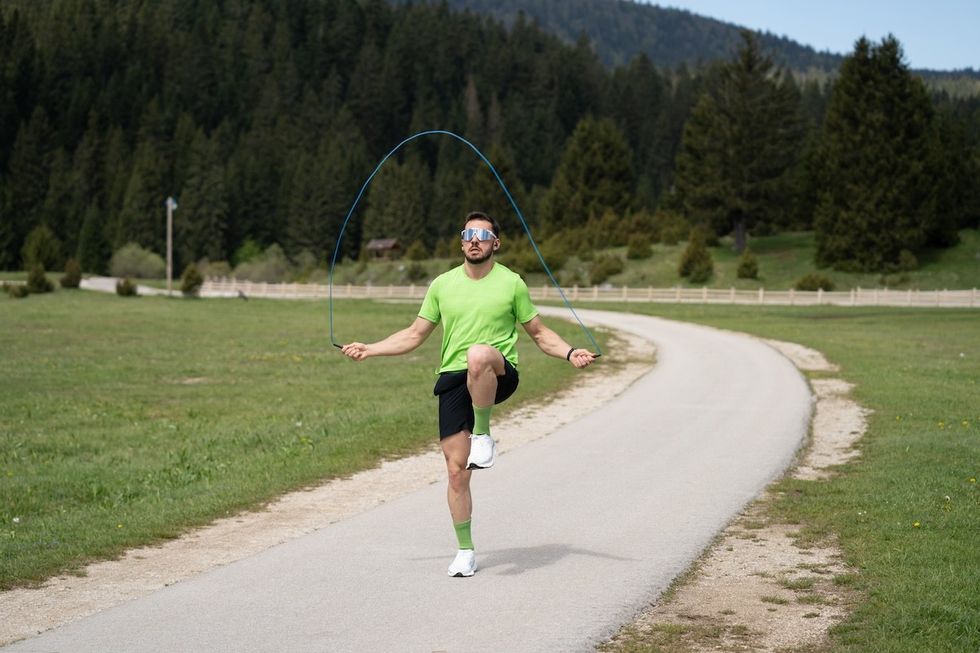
(127, 420)
(907, 513)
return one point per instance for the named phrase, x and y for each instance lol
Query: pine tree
(200, 225)
(595, 174)
(93, 250)
(26, 184)
(877, 182)
(398, 203)
(738, 146)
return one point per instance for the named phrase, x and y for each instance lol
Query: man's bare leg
(456, 449)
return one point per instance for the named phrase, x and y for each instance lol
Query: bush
(16, 290)
(37, 280)
(73, 274)
(131, 260)
(638, 247)
(42, 247)
(272, 266)
(814, 281)
(248, 251)
(555, 251)
(416, 252)
(416, 272)
(907, 261)
(748, 266)
(191, 280)
(696, 263)
(126, 288)
(670, 228)
(604, 267)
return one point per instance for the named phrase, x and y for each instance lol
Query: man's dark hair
(480, 215)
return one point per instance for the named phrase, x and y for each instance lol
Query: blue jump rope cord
(336, 251)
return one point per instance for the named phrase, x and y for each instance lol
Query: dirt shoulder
(139, 572)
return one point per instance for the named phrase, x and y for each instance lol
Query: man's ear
(496, 245)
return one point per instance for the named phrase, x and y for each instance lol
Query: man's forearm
(400, 342)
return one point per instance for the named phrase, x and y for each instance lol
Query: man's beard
(480, 258)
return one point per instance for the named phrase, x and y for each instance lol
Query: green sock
(463, 534)
(481, 420)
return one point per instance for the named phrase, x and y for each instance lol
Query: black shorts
(455, 403)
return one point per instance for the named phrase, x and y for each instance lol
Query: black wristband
(568, 356)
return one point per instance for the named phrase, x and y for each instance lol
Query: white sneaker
(483, 452)
(464, 564)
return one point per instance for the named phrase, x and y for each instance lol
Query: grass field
(129, 420)
(907, 513)
(123, 421)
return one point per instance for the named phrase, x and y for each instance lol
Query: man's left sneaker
(483, 452)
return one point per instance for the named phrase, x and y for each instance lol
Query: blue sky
(939, 35)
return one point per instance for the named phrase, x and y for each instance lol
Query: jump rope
(503, 186)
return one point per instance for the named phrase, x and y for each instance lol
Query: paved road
(575, 532)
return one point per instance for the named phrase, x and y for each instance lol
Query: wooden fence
(857, 297)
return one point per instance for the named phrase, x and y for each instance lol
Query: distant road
(576, 532)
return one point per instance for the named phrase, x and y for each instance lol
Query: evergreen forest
(264, 117)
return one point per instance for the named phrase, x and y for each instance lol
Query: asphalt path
(575, 532)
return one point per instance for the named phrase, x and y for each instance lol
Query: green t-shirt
(472, 312)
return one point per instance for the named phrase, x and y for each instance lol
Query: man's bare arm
(400, 342)
(554, 345)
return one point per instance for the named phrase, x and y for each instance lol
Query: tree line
(263, 117)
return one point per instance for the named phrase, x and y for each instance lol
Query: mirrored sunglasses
(480, 234)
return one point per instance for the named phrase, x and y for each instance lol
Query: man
(479, 305)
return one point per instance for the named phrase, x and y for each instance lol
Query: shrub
(814, 281)
(555, 252)
(248, 251)
(191, 280)
(907, 261)
(748, 266)
(638, 247)
(131, 260)
(604, 267)
(43, 247)
(416, 272)
(272, 266)
(696, 263)
(126, 288)
(16, 290)
(416, 252)
(37, 280)
(73, 274)
(669, 227)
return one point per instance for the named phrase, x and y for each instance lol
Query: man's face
(478, 251)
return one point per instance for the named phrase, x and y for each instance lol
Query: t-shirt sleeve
(430, 304)
(523, 308)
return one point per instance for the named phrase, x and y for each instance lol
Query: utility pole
(171, 207)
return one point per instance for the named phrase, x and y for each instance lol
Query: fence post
(575, 292)
(595, 293)
(762, 295)
(704, 294)
(792, 296)
(731, 295)
(819, 296)
(973, 298)
(650, 293)
(625, 292)
(908, 300)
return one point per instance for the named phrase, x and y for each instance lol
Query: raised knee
(480, 358)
